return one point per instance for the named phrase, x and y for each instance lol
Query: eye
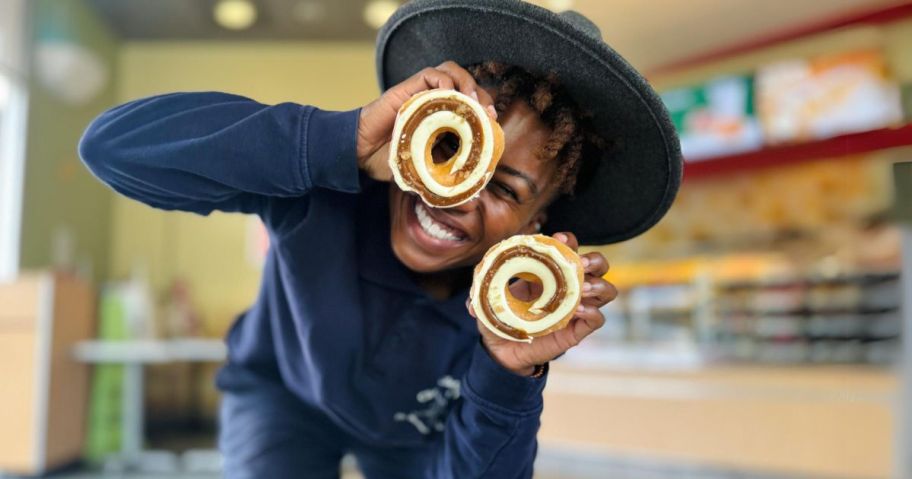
(503, 189)
(447, 144)
(452, 142)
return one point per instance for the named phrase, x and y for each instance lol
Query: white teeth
(431, 227)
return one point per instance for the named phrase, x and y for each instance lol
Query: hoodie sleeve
(491, 432)
(208, 151)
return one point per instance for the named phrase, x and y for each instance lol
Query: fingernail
(587, 286)
(585, 262)
(475, 95)
(493, 111)
(561, 237)
(580, 308)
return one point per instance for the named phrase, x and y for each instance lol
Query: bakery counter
(818, 421)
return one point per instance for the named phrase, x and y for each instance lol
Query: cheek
(396, 201)
(501, 221)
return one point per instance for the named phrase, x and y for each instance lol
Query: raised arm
(210, 151)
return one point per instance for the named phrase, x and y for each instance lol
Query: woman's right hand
(375, 126)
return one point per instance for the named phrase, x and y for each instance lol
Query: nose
(467, 207)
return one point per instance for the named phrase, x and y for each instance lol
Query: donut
(536, 258)
(420, 122)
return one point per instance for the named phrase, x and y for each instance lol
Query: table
(134, 355)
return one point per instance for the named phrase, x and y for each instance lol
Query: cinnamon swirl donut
(420, 123)
(538, 258)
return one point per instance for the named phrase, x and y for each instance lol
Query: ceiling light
(377, 12)
(235, 14)
(559, 5)
(307, 11)
(553, 5)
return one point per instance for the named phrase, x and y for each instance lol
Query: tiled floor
(550, 465)
(553, 462)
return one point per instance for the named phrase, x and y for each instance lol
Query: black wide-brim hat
(619, 195)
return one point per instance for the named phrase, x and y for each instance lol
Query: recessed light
(377, 12)
(559, 5)
(553, 5)
(308, 11)
(235, 14)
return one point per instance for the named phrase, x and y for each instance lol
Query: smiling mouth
(434, 228)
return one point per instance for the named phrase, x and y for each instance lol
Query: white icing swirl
(429, 128)
(497, 288)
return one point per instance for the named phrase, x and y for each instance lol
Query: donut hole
(525, 287)
(446, 146)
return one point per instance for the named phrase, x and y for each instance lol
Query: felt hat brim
(619, 195)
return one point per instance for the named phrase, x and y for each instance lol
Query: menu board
(826, 96)
(716, 118)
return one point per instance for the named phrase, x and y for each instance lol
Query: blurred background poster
(716, 118)
(821, 97)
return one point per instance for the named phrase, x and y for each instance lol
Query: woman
(360, 340)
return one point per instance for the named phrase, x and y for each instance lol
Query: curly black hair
(571, 130)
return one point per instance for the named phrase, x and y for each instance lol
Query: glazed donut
(419, 123)
(531, 257)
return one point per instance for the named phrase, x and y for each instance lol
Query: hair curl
(571, 129)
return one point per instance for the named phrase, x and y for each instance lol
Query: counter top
(826, 420)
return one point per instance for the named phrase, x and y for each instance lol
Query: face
(513, 201)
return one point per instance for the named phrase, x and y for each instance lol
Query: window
(12, 132)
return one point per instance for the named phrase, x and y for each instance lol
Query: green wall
(60, 194)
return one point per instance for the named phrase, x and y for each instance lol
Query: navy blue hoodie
(338, 321)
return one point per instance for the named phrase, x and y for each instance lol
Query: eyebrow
(519, 174)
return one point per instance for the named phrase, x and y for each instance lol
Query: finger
(434, 78)
(524, 290)
(583, 324)
(424, 80)
(464, 80)
(487, 101)
(568, 239)
(598, 292)
(470, 308)
(587, 320)
(466, 83)
(595, 263)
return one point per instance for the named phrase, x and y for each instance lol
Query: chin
(416, 261)
(424, 240)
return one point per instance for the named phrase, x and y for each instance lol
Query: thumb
(469, 307)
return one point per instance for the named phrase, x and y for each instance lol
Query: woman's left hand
(521, 358)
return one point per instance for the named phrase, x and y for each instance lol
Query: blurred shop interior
(757, 333)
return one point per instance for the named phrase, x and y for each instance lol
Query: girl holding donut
(363, 340)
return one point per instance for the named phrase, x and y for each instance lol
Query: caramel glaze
(549, 308)
(404, 156)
